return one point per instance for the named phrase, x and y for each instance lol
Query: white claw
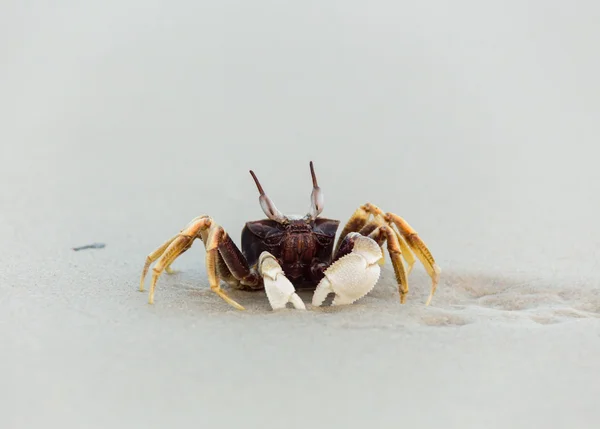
(352, 276)
(279, 289)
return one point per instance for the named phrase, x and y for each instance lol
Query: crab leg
(153, 257)
(406, 252)
(176, 248)
(361, 221)
(407, 241)
(418, 246)
(235, 270)
(356, 222)
(387, 233)
(222, 256)
(171, 249)
(212, 251)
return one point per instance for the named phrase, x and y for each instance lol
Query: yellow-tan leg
(153, 257)
(193, 229)
(212, 242)
(357, 221)
(407, 241)
(176, 248)
(419, 248)
(201, 227)
(361, 220)
(395, 252)
(406, 253)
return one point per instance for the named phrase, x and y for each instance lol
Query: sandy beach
(476, 123)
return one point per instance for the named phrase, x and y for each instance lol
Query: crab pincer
(352, 276)
(280, 291)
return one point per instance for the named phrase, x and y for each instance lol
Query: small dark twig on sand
(90, 246)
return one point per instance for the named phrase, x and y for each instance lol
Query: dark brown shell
(303, 248)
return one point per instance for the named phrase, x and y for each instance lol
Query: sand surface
(478, 124)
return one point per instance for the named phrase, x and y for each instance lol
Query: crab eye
(316, 197)
(269, 208)
(267, 205)
(317, 201)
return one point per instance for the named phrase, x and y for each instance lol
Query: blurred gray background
(122, 120)
(476, 121)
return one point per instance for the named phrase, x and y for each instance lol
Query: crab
(282, 253)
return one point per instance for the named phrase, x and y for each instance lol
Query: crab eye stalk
(267, 204)
(316, 197)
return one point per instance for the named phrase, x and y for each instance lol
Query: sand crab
(284, 252)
